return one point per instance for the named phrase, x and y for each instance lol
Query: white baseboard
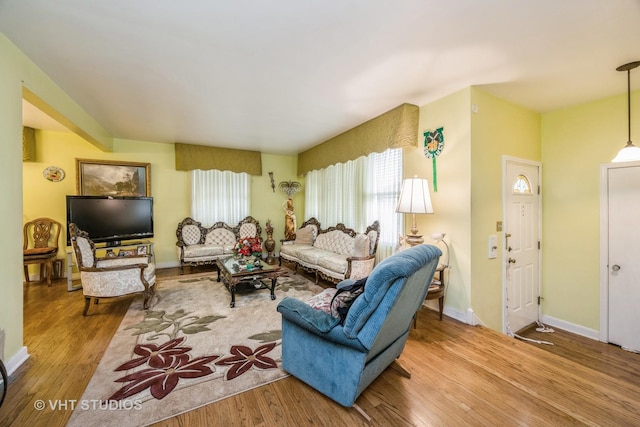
(453, 313)
(16, 360)
(571, 327)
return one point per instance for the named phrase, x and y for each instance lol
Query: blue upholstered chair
(341, 360)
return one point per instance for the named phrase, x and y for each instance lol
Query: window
(357, 193)
(219, 196)
(522, 185)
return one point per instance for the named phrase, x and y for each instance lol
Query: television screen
(111, 219)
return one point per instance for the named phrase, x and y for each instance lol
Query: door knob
(512, 261)
(616, 267)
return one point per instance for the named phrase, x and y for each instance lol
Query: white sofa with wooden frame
(199, 245)
(335, 253)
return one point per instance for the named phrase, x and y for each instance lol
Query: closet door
(622, 254)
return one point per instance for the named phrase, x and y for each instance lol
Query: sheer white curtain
(357, 193)
(219, 196)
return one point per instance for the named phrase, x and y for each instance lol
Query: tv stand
(140, 247)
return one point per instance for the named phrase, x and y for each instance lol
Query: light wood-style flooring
(462, 375)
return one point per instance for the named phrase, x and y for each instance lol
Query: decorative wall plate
(53, 174)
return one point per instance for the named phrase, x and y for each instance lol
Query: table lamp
(414, 199)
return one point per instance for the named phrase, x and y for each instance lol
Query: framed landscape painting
(112, 178)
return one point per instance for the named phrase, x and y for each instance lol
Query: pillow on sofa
(304, 236)
(361, 245)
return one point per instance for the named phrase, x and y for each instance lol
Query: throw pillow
(345, 295)
(361, 245)
(304, 236)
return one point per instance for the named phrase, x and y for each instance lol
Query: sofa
(199, 245)
(335, 253)
(340, 356)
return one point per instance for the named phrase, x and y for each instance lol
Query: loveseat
(341, 357)
(335, 253)
(199, 245)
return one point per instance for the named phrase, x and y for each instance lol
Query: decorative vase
(270, 245)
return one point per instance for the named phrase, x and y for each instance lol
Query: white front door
(521, 203)
(620, 266)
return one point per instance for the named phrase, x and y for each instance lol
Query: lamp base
(414, 239)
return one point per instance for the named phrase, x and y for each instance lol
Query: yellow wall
(20, 77)
(576, 141)
(266, 203)
(169, 188)
(452, 201)
(570, 142)
(497, 128)
(11, 72)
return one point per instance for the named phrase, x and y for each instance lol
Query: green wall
(575, 142)
(497, 128)
(571, 143)
(11, 319)
(170, 188)
(452, 201)
(478, 129)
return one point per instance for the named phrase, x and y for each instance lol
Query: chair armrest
(287, 242)
(123, 267)
(305, 316)
(316, 322)
(359, 267)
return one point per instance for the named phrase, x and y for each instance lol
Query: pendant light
(629, 152)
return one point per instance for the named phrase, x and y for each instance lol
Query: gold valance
(28, 144)
(394, 129)
(190, 157)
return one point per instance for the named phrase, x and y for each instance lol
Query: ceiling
(284, 75)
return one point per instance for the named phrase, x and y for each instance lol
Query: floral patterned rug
(187, 350)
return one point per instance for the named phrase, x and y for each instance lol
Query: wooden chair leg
(441, 305)
(362, 413)
(48, 268)
(87, 301)
(26, 273)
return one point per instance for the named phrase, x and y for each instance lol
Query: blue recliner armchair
(341, 360)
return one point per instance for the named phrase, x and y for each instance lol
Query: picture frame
(112, 178)
(127, 252)
(142, 250)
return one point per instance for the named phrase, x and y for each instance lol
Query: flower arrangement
(248, 246)
(269, 227)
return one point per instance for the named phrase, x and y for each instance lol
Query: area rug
(187, 350)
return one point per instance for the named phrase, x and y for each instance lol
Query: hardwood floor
(462, 375)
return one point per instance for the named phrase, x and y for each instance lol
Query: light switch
(493, 246)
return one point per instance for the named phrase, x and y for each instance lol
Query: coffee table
(236, 275)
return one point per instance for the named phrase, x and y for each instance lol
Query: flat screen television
(111, 219)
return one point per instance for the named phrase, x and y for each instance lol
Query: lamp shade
(415, 197)
(628, 154)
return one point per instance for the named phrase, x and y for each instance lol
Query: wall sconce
(414, 199)
(273, 183)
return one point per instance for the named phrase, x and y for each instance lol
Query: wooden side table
(436, 291)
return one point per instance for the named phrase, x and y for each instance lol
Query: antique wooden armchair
(110, 277)
(40, 246)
